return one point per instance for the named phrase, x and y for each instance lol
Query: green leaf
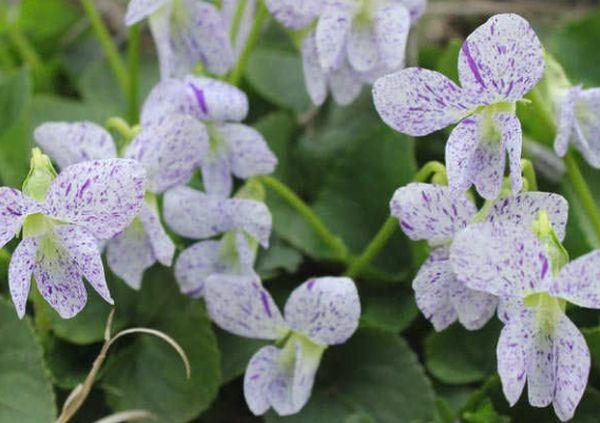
(235, 354)
(392, 310)
(459, 356)
(26, 394)
(148, 374)
(68, 364)
(15, 90)
(45, 22)
(277, 259)
(45, 108)
(277, 76)
(592, 337)
(485, 413)
(374, 375)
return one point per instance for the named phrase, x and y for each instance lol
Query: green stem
(529, 174)
(133, 61)
(336, 245)
(26, 50)
(583, 191)
(375, 246)
(108, 45)
(429, 169)
(262, 15)
(237, 20)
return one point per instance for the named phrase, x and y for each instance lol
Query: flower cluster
(352, 42)
(508, 256)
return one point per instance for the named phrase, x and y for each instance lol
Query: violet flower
(320, 312)
(432, 213)
(498, 63)
(539, 344)
(235, 149)
(61, 217)
(196, 215)
(169, 150)
(185, 32)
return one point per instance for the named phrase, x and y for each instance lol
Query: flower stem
(108, 45)
(133, 62)
(262, 15)
(375, 246)
(583, 192)
(335, 243)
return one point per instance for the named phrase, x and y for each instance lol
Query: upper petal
(332, 29)
(103, 196)
(249, 153)
(417, 101)
(170, 150)
(162, 245)
(501, 60)
(217, 100)
(391, 25)
(587, 126)
(500, 258)
(523, 209)
(83, 249)
(431, 212)
(139, 9)
(565, 120)
(474, 308)
(196, 215)
(58, 278)
(325, 309)
(572, 363)
(579, 281)
(70, 143)
(294, 14)
(14, 208)
(19, 273)
(169, 96)
(240, 305)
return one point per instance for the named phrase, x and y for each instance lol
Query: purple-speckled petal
(168, 97)
(391, 25)
(240, 305)
(58, 277)
(432, 286)
(579, 281)
(345, 84)
(512, 352)
(501, 60)
(229, 9)
(259, 376)
(217, 100)
(101, 195)
(314, 77)
(474, 308)
(587, 126)
(325, 309)
(196, 263)
(249, 153)
(20, 271)
(513, 309)
(140, 9)
(417, 101)
(523, 209)
(294, 14)
(173, 56)
(332, 30)
(14, 208)
(196, 215)
(130, 253)
(565, 119)
(431, 212)
(502, 259)
(512, 143)
(540, 368)
(170, 150)
(162, 245)
(216, 174)
(362, 48)
(475, 154)
(70, 143)
(572, 364)
(83, 249)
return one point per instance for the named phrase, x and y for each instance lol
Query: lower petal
(460, 148)
(249, 153)
(345, 84)
(565, 120)
(512, 359)
(362, 48)
(195, 264)
(162, 245)
(19, 273)
(216, 176)
(587, 126)
(392, 23)
(474, 308)
(258, 378)
(512, 141)
(540, 369)
(314, 77)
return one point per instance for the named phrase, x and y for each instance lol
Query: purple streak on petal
(472, 65)
(199, 94)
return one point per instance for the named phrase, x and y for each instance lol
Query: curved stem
(109, 47)
(428, 170)
(375, 246)
(336, 245)
(262, 14)
(133, 63)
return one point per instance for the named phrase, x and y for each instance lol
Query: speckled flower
(196, 215)
(294, 14)
(61, 217)
(432, 213)
(498, 63)
(539, 344)
(185, 32)
(320, 312)
(169, 150)
(235, 149)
